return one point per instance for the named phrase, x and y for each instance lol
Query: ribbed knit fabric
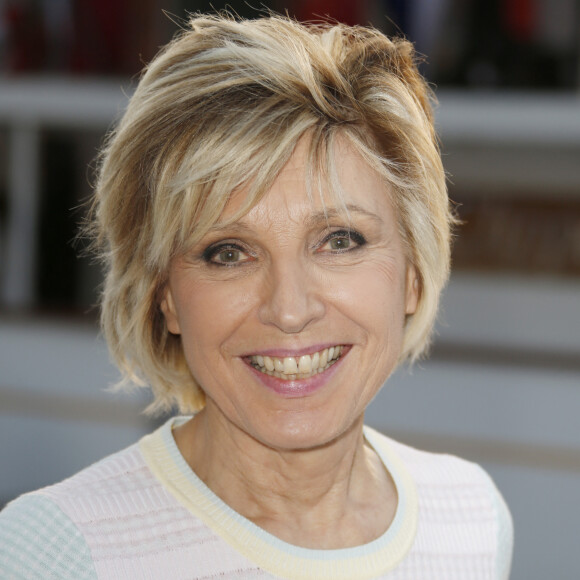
(39, 542)
(143, 514)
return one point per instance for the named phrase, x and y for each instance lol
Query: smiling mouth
(292, 368)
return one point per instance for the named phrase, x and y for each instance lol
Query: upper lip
(295, 352)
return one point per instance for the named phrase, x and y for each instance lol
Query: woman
(273, 216)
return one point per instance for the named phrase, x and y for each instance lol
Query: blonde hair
(223, 106)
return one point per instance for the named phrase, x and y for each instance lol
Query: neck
(323, 497)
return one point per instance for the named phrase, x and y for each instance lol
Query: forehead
(344, 185)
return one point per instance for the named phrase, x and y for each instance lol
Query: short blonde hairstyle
(223, 106)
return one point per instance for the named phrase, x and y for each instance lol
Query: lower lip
(301, 387)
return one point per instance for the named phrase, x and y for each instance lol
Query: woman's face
(291, 319)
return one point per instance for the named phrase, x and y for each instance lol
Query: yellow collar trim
(269, 552)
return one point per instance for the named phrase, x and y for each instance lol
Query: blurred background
(502, 386)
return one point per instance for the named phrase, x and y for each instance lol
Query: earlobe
(167, 306)
(413, 291)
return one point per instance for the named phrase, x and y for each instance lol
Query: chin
(301, 433)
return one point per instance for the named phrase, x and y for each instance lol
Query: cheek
(375, 295)
(209, 313)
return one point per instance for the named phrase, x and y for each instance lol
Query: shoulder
(437, 470)
(457, 496)
(111, 492)
(43, 534)
(38, 540)
(118, 473)
(119, 469)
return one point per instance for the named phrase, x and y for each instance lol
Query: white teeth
(305, 364)
(292, 368)
(315, 360)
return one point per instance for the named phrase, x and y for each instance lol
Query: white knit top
(143, 513)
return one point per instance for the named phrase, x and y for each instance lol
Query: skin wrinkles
(298, 467)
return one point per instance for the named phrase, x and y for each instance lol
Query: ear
(167, 306)
(412, 290)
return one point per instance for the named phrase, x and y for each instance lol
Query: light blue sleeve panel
(38, 541)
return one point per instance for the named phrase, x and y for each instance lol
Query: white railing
(26, 107)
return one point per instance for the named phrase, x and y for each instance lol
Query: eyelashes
(225, 254)
(341, 241)
(233, 253)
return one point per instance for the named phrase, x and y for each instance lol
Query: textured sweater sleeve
(505, 538)
(38, 541)
(505, 531)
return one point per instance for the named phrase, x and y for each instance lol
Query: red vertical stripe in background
(519, 19)
(345, 11)
(99, 36)
(25, 39)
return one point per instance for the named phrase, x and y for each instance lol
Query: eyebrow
(238, 226)
(351, 208)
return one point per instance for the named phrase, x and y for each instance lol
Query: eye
(339, 243)
(225, 255)
(342, 241)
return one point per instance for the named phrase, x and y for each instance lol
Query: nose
(291, 299)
